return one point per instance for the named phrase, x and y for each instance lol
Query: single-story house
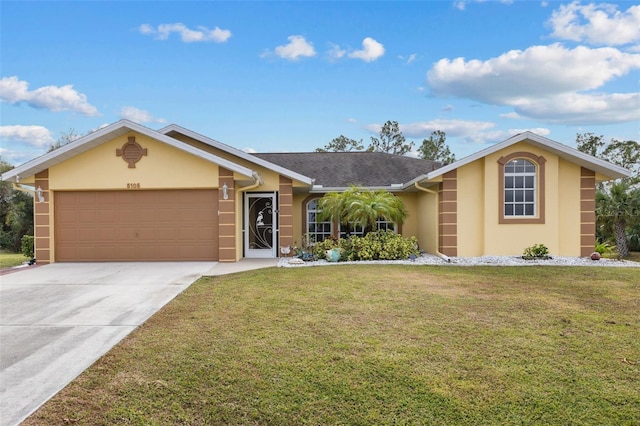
(129, 193)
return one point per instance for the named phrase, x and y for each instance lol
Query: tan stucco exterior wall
(568, 209)
(471, 211)
(411, 224)
(163, 167)
(298, 215)
(427, 212)
(480, 233)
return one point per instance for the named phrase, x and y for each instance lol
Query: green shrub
(536, 250)
(604, 249)
(27, 244)
(380, 245)
(320, 249)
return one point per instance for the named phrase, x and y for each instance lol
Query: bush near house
(27, 245)
(536, 251)
(379, 245)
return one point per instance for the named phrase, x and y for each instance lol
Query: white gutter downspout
(441, 255)
(257, 183)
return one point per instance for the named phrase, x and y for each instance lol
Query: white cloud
(187, 35)
(296, 48)
(22, 143)
(576, 108)
(545, 82)
(52, 98)
(512, 115)
(36, 136)
(453, 128)
(371, 50)
(462, 5)
(249, 150)
(408, 59)
(139, 115)
(542, 131)
(597, 24)
(336, 52)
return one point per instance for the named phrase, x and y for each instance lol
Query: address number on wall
(133, 186)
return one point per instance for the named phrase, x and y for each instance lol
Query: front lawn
(376, 345)
(9, 259)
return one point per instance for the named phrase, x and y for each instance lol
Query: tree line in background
(16, 213)
(391, 140)
(617, 202)
(16, 207)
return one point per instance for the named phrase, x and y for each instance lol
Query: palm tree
(616, 208)
(363, 207)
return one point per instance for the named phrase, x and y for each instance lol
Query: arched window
(520, 188)
(317, 231)
(522, 183)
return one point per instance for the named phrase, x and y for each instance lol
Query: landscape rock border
(428, 259)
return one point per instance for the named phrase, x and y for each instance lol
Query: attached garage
(136, 225)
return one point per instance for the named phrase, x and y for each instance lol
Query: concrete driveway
(56, 320)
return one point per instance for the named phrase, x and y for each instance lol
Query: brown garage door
(136, 225)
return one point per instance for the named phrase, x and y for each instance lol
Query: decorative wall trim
(540, 194)
(42, 220)
(448, 214)
(131, 152)
(587, 211)
(226, 217)
(285, 215)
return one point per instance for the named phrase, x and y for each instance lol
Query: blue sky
(291, 76)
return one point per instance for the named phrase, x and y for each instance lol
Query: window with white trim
(356, 229)
(317, 231)
(519, 188)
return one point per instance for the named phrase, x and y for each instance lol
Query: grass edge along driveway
(380, 344)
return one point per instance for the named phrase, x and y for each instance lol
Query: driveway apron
(56, 320)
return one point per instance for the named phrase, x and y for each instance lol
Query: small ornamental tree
(362, 206)
(615, 209)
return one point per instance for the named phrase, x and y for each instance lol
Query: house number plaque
(131, 152)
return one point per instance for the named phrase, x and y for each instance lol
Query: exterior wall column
(587, 211)
(226, 217)
(285, 209)
(42, 211)
(448, 214)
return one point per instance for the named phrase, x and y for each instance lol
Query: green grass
(364, 345)
(634, 256)
(8, 259)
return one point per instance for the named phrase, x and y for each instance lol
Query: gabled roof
(105, 134)
(563, 151)
(296, 175)
(339, 170)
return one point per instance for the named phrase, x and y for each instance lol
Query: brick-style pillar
(448, 214)
(285, 216)
(42, 211)
(587, 211)
(226, 217)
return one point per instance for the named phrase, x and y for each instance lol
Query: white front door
(260, 224)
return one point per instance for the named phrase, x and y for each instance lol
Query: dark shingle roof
(341, 169)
